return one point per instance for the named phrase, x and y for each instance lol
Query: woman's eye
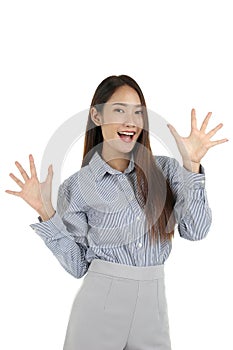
(139, 112)
(119, 110)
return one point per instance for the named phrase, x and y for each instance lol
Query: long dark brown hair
(152, 187)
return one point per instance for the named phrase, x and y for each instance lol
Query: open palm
(195, 146)
(36, 194)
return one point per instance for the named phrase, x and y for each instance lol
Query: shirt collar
(99, 166)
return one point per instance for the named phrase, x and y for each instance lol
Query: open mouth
(126, 136)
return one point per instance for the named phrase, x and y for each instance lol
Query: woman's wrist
(47, 213)
(192, 166)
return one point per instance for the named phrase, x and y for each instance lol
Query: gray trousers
(119, 307)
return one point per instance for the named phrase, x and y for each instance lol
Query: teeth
(126, 133)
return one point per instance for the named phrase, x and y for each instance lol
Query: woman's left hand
(195, 146)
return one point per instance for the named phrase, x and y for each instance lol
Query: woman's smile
(126, 136)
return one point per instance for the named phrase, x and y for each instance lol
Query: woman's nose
(129, 119)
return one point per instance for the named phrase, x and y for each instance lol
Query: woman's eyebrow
(125, 104)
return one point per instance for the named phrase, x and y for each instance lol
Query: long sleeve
(65, 234)
(192, 211)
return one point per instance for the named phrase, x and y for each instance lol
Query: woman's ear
(95, 116)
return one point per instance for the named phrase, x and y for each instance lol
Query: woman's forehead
(125, 94)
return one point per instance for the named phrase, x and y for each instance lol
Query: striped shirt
(99, 217)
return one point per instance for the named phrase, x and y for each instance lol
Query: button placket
(139, 254)
(128, 191)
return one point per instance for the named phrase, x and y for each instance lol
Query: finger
(193, 119)
(20, 183)
(213, 131)
(13, 192)
(22, 171)
(32, 166)
(218, 142)
(205, 122)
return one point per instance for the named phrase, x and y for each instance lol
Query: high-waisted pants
(119, 307)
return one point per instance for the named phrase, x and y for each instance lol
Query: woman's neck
(116, 160)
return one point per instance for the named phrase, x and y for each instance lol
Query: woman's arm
(192, 211)
(65, 233)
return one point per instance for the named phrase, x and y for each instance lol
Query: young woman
(115, 220)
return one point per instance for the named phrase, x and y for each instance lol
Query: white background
(53, 56)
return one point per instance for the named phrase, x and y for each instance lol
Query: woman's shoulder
(168, 165)
(165, 161)
(77, 186)
(83, 174)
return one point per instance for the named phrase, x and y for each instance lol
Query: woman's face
(123, 112)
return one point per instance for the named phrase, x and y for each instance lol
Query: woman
(115, 220)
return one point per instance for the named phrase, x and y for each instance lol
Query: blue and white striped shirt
(98, 215)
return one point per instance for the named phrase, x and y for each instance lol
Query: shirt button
(138, 217)
(139, 245)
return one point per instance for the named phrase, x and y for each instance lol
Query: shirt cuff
(194, 180)
(51, 229)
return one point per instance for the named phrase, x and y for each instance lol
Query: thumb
(50, 173)
(173, 131)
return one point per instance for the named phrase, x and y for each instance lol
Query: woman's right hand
(36, 194)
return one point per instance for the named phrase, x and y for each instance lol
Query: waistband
(126, 271)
